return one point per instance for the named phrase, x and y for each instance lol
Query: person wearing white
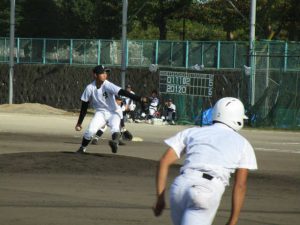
(170, 111)
(101, 94)
(154, 102)
(129, 105)
(212, 154)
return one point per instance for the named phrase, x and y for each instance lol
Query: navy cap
(118, 97)
(100, 69)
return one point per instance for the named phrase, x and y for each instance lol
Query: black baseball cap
(100, 69)
(118, 97)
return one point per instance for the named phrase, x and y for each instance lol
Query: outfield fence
(140, 53)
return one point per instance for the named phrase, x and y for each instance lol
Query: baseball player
(125, 134)
(170, 111)
(154, 102)
(101, 94)
(212, 154)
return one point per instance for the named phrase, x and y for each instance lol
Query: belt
(204, 175)
(207, 176)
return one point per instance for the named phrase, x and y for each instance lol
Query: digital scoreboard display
(183, 83)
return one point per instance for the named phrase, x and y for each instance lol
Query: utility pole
(124, 43)
(11, 50)
(251, 50)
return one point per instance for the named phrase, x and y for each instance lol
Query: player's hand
(159, 206)
(78, 127)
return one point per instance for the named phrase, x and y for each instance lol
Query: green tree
(39, 19)
(157, 13)
(5, 17)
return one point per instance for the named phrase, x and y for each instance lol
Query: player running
(212, 154)
(101, 94)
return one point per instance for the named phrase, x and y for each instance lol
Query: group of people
(212, 153)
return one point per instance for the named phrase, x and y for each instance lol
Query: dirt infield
(44, 182)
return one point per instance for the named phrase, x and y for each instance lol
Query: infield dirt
(43, 180)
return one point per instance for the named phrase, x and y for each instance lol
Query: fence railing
(140, 53)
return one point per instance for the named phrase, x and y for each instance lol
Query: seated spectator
(170, 112)
(153, 105)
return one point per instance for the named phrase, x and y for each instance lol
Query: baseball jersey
(102, 99)
(154, 103)
(216, 149)
(172, 107)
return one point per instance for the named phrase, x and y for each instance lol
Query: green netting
(277, 87)
(142, 53)
(188, 108)
(195, 53)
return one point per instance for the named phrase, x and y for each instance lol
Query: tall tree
(40, 19)
(5, 17)
(159, 12)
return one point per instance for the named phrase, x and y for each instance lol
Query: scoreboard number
(183, 83)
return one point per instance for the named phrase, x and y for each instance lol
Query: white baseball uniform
(171, 110)
(153, 106)
(216, 150)
(107, 110)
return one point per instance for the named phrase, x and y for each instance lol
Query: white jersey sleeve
(87, 93)
(248, 159)
(112, 88)
(178, 142)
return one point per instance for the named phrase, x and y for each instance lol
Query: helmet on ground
(231, 112)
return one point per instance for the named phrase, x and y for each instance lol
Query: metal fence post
(156, 53)
(71, 52)
(285, 56)
(187, 55)
(219, 52)
(44, 51)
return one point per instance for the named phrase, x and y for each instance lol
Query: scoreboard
(183, 83)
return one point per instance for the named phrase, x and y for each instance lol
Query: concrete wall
(61, 86)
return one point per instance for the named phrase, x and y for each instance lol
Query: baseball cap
(118, 97)
(128, 86)
(100, 69)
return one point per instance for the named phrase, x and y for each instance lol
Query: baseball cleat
(81, 150)
(114, 146)
(95, 141)
(121, 142)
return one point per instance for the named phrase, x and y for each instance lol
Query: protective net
(277, 86)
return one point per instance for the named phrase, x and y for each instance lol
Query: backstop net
(276, 74)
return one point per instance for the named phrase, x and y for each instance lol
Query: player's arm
(142, 100)
(83, 111)
(161, 179)
(130, 95)
(238, 195)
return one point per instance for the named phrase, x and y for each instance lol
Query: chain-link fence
(270, 88)
(276, 76)
(140, 53)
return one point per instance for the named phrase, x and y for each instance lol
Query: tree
(159, 12)
(5, 17)
(39, 19)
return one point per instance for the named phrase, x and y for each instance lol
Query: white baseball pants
(99, 120)
(194, 200)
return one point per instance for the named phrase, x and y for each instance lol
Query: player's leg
(99, 133)
(97, 122)
(114, 122)
(203, 200)
(177, 200)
